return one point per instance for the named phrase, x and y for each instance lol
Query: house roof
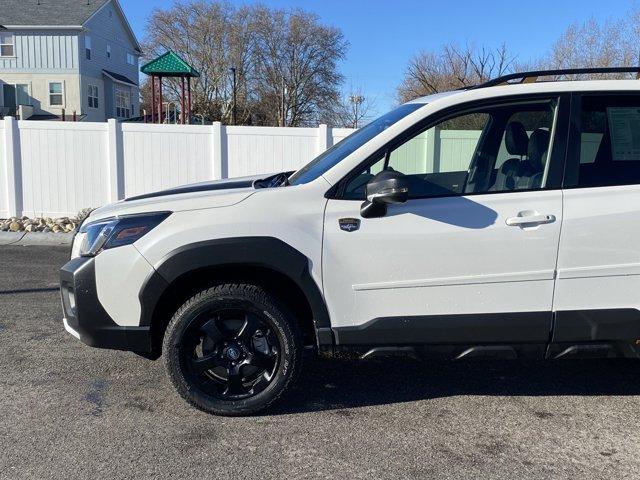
(56, 14)
(169, 64)
(48, 12)
(119, 78)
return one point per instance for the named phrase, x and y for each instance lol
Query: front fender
(262, 252)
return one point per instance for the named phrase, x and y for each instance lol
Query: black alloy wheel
(232, 349)
(230, 353)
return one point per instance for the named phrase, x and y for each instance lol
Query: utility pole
(356, 100)
(233, 106)
(284, 104)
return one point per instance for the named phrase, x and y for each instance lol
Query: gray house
(74, 55)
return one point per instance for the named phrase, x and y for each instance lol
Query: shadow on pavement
(328, 384)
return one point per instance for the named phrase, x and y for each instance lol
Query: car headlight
(94, 237)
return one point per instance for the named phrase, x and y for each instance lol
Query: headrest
(516, 139)
(538, 146)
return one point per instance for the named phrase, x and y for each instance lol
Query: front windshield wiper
(272, 181)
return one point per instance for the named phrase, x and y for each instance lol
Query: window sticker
(624, 124)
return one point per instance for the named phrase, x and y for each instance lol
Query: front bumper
(87, 320)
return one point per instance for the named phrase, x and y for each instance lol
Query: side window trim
(556, 160)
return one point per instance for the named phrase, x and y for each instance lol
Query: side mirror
(387, 187)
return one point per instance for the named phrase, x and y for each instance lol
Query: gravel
(70, 411)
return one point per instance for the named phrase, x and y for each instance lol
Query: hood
(213, 194)
(240, 182)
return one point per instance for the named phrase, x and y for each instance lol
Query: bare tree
(296, 66)
(597, 44)
(212, 37)
(353, 110)
(286, 62)
(452, 68)
(145, 96)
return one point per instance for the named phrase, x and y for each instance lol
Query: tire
(232, 350)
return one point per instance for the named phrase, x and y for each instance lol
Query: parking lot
(70, 411)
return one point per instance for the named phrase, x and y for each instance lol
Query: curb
(35, 238)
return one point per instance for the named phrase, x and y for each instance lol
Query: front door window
(498, 149)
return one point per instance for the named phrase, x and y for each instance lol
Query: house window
(87, 46)
(7, 43)
(56, 94)
(131, 59)
(123, 103)
(108, 51)
(93, 96)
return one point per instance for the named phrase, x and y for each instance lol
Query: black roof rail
(531, 77)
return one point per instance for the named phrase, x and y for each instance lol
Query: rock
(82, 214)
(44, 224)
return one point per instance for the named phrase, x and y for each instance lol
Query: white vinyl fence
(57, 168)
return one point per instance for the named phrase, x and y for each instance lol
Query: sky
(384, 34)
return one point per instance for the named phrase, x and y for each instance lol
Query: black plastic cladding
(264, 252)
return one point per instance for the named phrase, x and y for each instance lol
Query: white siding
(41, 52)
(106, 27)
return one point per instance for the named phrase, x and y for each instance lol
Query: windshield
(340, 150)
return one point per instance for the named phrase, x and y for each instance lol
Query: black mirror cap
(387, 187)
(372, 210)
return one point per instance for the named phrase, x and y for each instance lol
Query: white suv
(501, 220)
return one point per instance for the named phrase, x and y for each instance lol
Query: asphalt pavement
(71, 411)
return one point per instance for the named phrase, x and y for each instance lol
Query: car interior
(510, 154)
(602, 167)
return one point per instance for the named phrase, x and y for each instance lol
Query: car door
(597, 295)
(471, 256)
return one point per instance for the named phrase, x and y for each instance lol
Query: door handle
(526, 219)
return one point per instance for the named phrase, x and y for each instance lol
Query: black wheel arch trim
(261, 252)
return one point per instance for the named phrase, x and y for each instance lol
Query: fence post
(220, 152)
(433, 150)
(12, 166)
(323, 138)
(115, 154)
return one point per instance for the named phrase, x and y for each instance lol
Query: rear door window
(606, 151)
